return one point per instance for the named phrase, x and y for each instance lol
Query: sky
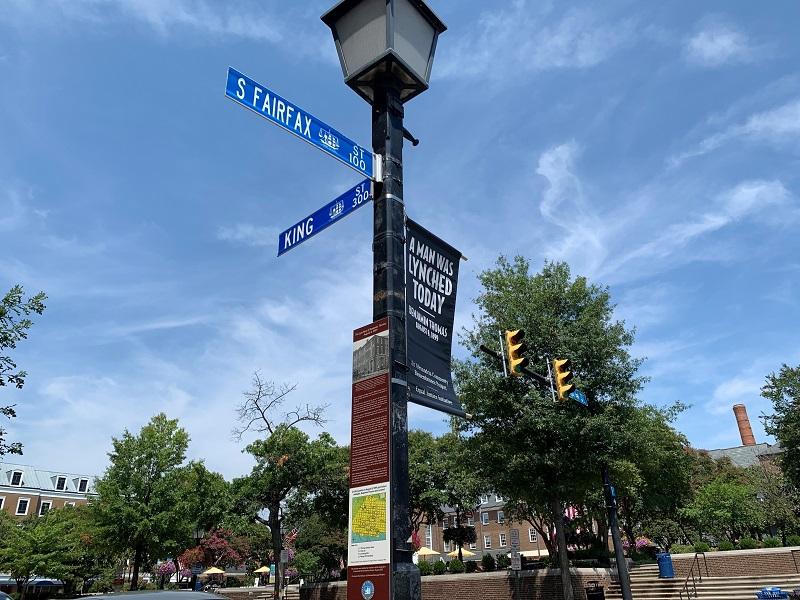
(655, 147)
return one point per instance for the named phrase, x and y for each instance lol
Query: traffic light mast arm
(535, 376)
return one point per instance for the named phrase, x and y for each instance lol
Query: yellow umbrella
(263, 569)
(425, 551)
(212, 571)
(464, 552)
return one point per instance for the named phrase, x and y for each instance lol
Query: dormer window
(61, 483)
(83, 485)
(16, 478)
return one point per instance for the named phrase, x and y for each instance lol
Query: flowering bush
(165, 569)
(185, 573)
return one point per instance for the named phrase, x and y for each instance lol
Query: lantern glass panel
(413, 38)
(362, 34)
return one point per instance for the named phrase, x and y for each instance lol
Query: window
(22, 506)
(501, 517)
(447, 546)
(484, 499)
(532, 537)
(473, 546)
(2, 502)
(487, 541)
(429, 536)
(471, 521)
(69, 504)
(499, 498)
(83, 485)
(61, 483)
(445, 522)
(502, 540)
(484, 518)
(16, 478)
(44, 507)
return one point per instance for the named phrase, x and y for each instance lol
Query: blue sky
(147, 205)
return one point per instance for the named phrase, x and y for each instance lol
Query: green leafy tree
(783, 390)
(564, 444)
(425, 478)
(15, 311)
(461, 488)
(141, 508)
(287, 462)
(727, 509)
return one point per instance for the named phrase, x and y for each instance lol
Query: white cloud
(777, 125)
(582, 244)
(248, 234)
(212, 18)
(719, 44)
(521, 38)
(745, 200)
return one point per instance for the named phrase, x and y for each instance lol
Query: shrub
(488, 563)
(439, 568)
(793, 540)
(725, 546)
(701, 547)
(748, 544)
(681, 549)
(456, 566)
(471, 566)
(425, 568)
(503, 561)
(772, 542)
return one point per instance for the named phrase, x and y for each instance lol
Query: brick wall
(767, 561)
(502, 585)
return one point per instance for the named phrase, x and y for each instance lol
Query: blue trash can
(665, 568)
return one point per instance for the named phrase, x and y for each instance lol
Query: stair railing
(689, 589)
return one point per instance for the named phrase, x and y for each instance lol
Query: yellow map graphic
(369, 518)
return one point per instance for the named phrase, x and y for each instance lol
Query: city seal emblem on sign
(367, 590)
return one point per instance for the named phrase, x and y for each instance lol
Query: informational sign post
(369, 531)
(431, 282)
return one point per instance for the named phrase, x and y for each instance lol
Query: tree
(726, 508)
(564, 444)
(783, 390)
(286, 461)
(425, 479)
(140, 507)
(461, 488)
(14, 325)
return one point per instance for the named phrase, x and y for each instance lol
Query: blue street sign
(327, 215)
(260, 99)
(579, 396)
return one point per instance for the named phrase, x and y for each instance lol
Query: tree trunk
(563, 557)
(277, 546)
(137, 560)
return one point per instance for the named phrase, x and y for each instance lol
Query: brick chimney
(743, 421)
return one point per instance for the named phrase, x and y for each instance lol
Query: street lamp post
(386, 50)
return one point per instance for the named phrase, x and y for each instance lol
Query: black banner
(431, 281)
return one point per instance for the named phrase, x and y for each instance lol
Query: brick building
(492, 530)
(25, 490)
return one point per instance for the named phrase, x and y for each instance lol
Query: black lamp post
(386, 50)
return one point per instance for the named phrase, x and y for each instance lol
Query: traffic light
(563, 376)
(515, 349)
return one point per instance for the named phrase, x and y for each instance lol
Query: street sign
(514, 538)
(516, 561)
(327, 215)
(579, 396)
(284, 556)
(290, 117)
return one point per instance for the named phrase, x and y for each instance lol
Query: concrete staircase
(645, 585)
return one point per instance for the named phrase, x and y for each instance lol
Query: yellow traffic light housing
(515, 350)
(563, 376)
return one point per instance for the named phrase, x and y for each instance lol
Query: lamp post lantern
(386, 50)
